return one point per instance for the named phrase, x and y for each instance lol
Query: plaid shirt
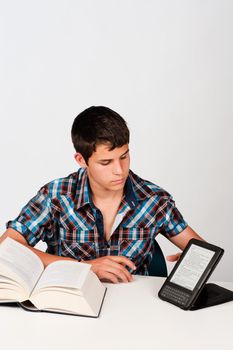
(63, 215)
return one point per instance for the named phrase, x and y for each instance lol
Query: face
(107, 170)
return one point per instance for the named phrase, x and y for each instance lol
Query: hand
(174, 257)
(112, 268)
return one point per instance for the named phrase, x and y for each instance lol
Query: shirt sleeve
(35, 219)
(173, 222)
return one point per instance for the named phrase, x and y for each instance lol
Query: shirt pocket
(78, 244)
(135, 243)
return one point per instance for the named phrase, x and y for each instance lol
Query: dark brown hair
(98, 125)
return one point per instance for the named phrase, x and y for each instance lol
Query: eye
(125, 156)
(105, 163)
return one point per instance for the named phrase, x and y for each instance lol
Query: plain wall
(165, 66)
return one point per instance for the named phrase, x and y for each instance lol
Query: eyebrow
(107, 160)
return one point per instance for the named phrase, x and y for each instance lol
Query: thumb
(174, 257)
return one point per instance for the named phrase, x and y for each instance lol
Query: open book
(63, 286)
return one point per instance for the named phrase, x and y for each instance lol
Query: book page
(69, 274)
(19, 263)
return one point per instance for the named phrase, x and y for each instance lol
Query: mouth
(118, 182)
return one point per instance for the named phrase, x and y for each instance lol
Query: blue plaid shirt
(63, 215)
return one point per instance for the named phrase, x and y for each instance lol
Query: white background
(165, 65)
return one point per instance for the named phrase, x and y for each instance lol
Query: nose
(117, 168)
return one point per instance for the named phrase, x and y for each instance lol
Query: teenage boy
(103, 214)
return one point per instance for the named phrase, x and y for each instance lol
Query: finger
(105, 276)
(173, 257)
(123, 260)
(106, 264)
(119, 271)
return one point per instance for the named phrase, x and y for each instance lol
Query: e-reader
(187, 279)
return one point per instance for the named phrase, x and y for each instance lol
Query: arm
(107, 268)
(181, 240)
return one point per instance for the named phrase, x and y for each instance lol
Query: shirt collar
(130, 196)
(83, 192)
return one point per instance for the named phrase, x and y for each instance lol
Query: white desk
(132, 317)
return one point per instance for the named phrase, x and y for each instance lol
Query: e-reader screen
(192, 266)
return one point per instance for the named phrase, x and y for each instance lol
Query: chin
(118, 186)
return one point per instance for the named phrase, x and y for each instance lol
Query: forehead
(103, 151)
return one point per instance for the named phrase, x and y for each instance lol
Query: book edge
(34, 309)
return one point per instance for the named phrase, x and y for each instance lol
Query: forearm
(182, 239)
(45, 257)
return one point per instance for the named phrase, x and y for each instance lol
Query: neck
(106, 196)
(101, 195)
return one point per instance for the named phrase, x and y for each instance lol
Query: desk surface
(132, 317)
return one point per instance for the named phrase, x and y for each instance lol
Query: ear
(80, 160)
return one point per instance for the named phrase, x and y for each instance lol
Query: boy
(103, 214)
